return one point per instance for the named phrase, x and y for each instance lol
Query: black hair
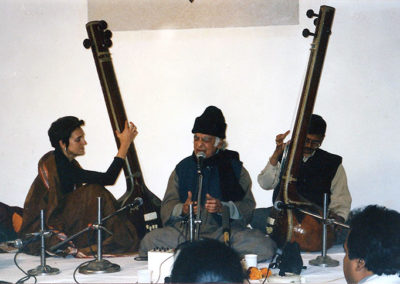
(375, 237)
(62, 128)
(317, 125)
(207, 261)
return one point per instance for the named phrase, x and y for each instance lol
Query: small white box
(160, 263)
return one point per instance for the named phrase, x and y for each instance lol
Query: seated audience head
(207, 261)
(373, 244)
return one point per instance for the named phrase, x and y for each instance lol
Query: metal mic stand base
(43, 270)
(324, 261)
(99, 266)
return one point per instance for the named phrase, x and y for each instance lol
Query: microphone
(138, 201)
(226, 224)
(19, 243)
(279, 205)
(200, 158)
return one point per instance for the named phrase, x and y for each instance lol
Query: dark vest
(221, 174)
(315, 177)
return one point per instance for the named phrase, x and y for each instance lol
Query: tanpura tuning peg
(108, 42)
(103, 25)
(310, 13)
(107, 34)
(87, 43)
(306, 33)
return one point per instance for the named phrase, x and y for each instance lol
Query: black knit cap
(211, 122)
(62, 128)
(317, 125)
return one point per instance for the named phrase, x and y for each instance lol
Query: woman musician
(68, 194)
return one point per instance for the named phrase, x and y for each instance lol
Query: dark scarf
(221, 174)
(231, 190)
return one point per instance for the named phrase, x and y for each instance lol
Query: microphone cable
(27, 275)
(270, 265)
(159, 268)
(76, 269)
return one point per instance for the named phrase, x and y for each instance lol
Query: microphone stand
(191, 223)
(324, 260)
(43, 269)
(99, 265)
(60, 244)
(197, 221)
(291, 206)
(326, 221)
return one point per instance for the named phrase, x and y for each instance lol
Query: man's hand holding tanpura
(185, 207)
(213, 205)
(279, 148)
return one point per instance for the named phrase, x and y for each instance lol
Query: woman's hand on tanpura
(125, 138)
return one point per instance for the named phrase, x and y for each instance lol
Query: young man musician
(320, 172)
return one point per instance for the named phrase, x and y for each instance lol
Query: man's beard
(308, 151)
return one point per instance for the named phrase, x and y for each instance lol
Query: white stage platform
(129, 268)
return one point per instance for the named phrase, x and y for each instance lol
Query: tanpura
(148, 216)
(289, 224)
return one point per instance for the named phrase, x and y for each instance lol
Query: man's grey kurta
(175, 231)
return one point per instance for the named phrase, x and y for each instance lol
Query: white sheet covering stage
(129, 268)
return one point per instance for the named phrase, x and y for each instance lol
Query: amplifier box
(160, 262)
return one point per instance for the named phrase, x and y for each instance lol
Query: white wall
(168, 77)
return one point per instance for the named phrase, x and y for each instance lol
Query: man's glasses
(313, 143)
